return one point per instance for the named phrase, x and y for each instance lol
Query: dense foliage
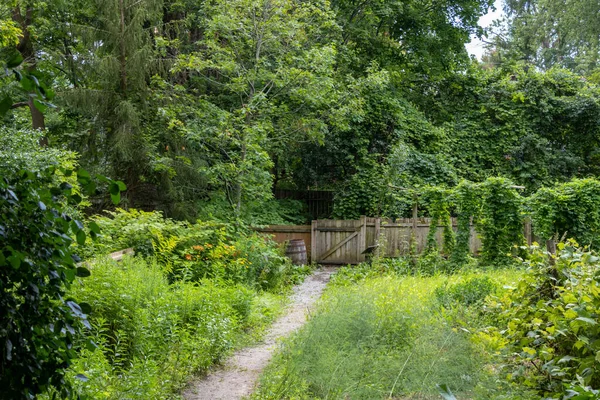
(151, 336)
(39, 321)
(568, 210)
(204, 109)
(548, 325)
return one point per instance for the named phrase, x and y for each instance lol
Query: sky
(476, 45)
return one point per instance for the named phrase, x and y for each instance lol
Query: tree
(416, 37)
(549, 33)
(266, 65)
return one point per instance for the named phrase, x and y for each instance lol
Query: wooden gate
(339, 242)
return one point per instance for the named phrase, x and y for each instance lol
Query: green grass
(384, 337)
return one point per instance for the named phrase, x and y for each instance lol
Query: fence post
(362, 239)
(314, 257)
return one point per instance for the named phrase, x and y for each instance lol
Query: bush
(140, 230)
(550, 324)
(39, 322)
(20, 149)
(193, 252)
(571, 208)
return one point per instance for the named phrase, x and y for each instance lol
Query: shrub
(550, 322)
(20, 149)
(501, 222)
(39, 322)
(140, 230)
(571, 208)
(193, 252)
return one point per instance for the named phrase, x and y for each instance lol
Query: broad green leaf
(81, 237)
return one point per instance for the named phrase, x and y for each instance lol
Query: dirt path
(240, 373)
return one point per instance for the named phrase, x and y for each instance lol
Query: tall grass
(151, 335)
(380, 338)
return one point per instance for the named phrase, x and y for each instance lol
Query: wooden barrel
(296, 251)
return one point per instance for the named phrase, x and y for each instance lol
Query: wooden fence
(344, 241)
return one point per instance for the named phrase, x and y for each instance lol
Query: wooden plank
(362, 239)
(377, 234)
(337, 246)
(119, 255)
(337, 229)
(284, 228)
(313, 241)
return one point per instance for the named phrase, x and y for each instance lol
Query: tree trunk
(123, 51)
(25, 47)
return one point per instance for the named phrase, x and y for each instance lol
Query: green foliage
(469, 292)
(365, 193)
(517, 122)
(467, 200)
(193, 252)
(551, 33)
(438, 206)
(20, 149)
(569, 209)
(40, 322)
(137, 229)
(151, 336)
(349, 275)
(404, 35)
(377, 338)
(550, 324)
(501, 222)
(255, 213)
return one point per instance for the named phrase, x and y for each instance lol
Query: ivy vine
(501, 222)
(570, 209)
(466, 197)
(438, 205)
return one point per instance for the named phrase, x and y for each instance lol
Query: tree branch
(20, 104)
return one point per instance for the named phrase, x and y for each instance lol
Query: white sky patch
(476, 47)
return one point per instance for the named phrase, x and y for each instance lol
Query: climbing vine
(467, 200)
(438, 205)
(570, 209)
(501, 222)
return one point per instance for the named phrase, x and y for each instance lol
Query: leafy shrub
(39, 322)
(501, 222)
(193, 252)
(250, 259)
(255, 213)
(138, 229)
(467, 293)
(353, 274)
(20, 149)
(550, 324)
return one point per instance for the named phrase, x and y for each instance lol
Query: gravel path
(239, 375)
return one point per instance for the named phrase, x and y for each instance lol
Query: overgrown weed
(377, 338)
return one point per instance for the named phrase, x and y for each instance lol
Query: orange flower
(188, 257)
(199, 248)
